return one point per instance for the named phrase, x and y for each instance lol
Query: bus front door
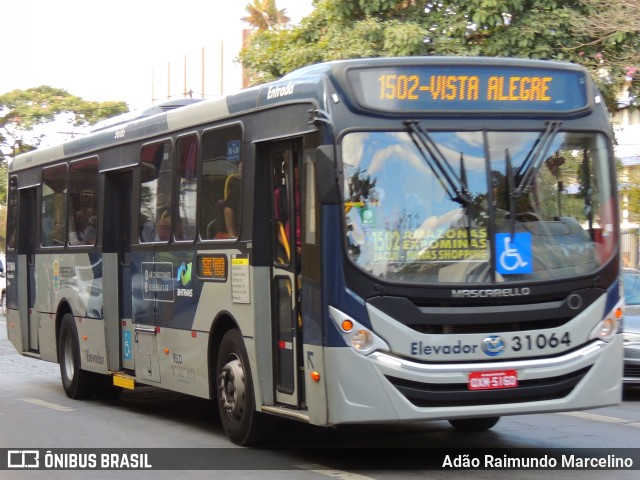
(287, 325)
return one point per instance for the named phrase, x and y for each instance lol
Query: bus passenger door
(287, 324)
(117, 270)
(26, 258)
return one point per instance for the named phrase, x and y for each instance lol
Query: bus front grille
(632, 371)
(457, 395)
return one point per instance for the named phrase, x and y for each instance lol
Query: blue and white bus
(363, 241)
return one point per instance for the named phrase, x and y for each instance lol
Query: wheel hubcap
(69, 368)
(231, 389)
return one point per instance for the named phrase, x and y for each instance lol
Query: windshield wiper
(511, 193)
(533, 162)
(586, 182)
(463, 174)
(455, 186)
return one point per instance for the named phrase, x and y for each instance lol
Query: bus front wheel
(474, 424)
(236, 404)
(77, 383)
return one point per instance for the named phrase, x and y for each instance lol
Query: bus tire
(474, 424)
(77, 383)
(234, 391)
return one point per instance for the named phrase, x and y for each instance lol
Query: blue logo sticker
(513, 254)
(184, 274)
(233, 150)
(127, 353)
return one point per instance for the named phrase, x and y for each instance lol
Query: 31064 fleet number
(540, 341)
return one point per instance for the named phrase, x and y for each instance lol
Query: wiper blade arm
(455, 187)
(511, 194)
(532, 163)
(463, 175)
(586, 182)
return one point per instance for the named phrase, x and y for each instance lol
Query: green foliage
(264, 15)
(28, 108)
(23, 110)
(544, 29)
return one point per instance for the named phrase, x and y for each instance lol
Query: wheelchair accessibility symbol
(513, 254)
(127, 354)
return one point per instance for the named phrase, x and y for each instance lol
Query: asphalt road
(35, 413)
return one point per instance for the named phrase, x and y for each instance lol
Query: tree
(545, 29)
(609, 20)
(23, 111)
(263, 15)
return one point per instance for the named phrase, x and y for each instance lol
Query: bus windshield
(477, 207)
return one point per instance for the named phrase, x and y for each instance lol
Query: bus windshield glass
(478, 207)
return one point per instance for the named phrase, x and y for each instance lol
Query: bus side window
(54, 196)
(155, 192)
(12, 213)
(232, 196)
(187, 156)
(83, 212)
(221, 187)
(212, 214)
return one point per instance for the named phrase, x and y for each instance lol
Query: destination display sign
(212, 267)
(469, 88)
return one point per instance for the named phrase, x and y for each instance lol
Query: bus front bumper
(383, 388)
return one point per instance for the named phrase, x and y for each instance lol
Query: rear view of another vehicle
(631, 334)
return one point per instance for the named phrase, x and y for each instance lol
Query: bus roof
(359, 80)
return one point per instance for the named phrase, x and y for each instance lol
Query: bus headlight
(609, 326)
(359, 337)
(361, 340)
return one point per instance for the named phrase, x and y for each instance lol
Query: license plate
(493, 380)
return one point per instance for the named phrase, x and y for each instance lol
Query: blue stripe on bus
(333, 281)
(613, 296)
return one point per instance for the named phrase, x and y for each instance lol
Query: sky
(136, 51)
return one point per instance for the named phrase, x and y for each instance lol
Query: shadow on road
(202, 414)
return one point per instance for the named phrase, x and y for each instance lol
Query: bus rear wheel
(474, 424)
(77, 383)
(236, 404)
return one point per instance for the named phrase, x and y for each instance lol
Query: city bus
(366, 241)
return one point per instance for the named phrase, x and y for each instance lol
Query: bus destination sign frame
(469, 88)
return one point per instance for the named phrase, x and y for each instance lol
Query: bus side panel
(42, 316)
(11, 281)
(76, 278)
(249, 310)
(176, 286)
(312, 350)
(93, 347)
(14, 325)
(182, 361)
(14, 330)
(216, 298)
(261, 352)
(47, 336)
(143, 301)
